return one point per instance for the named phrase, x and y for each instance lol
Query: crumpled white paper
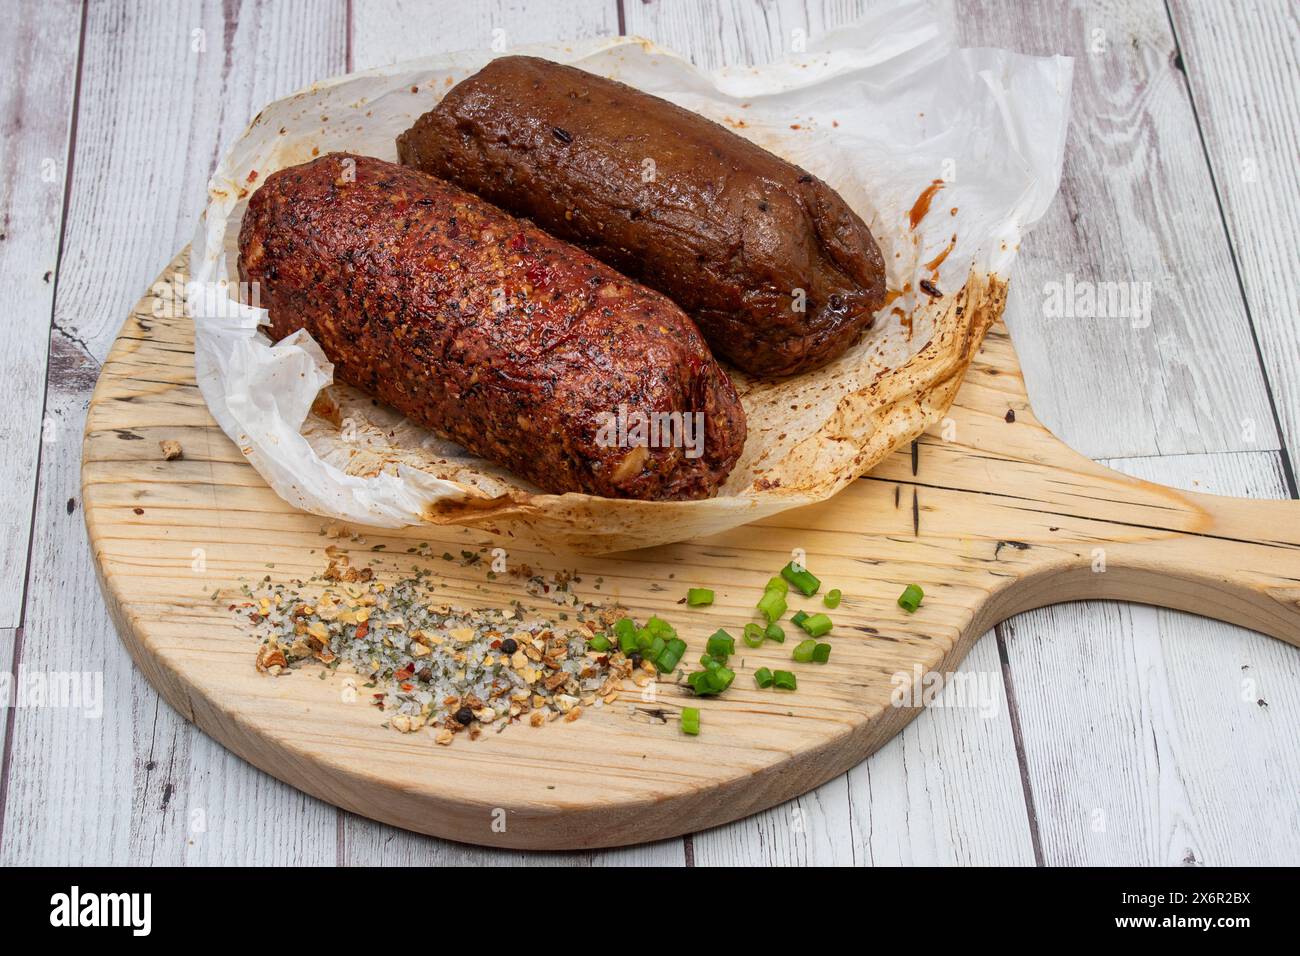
(879, 110)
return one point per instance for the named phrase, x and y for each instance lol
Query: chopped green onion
(817, 625)
(775, 632)
(784, 680)
(753, 635)
(599, 642)
(698, 597)
(708, 662)
(832, 598)
(715, 681)
(803, 651)
(655, 648)
(763, 677)
(672, 653)
(910, 599)
(625, 631)
(721, 644)
(801, 578)
(691, 721)
(772, 604)
(777, 583)
(660, 628)
(799, 617)
(821, 653)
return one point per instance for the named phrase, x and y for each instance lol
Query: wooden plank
(368, 843)
(139, 784)
(849, 820)
(1115, 221)
(1158, 738)
(1136, 205)
(944, 792)
(1242, 64)
(38, 66)
(389, 31)
(737, 31)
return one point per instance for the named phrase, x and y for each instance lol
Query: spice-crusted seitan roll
(523, 349)
(779, 273)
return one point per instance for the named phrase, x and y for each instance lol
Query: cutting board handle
(1233, 559)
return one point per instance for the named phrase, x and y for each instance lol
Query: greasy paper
(950, 155)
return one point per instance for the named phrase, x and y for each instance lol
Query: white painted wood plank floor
(1108, 733)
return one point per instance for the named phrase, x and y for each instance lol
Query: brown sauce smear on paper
(922, 204)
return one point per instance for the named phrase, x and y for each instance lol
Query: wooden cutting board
(989, 512)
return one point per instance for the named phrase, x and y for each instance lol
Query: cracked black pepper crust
(723, 227)
(484, 328)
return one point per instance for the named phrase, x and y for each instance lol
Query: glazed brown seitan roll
(779, 273)
(517, 346)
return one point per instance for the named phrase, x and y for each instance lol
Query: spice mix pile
(428, 663)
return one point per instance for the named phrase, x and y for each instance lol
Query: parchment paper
(881, 110)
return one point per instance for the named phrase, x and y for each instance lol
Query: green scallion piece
(753, 635)
(775, 632)
(784, 680)
(691, 721)
(708, 682)
(599, 642)
(708, 662)
(625, 631)
(772, 604)
(777, 583)
(821, 653)
(801, 578)
(832, 598)
(817, 625)
(803, 651)
(799, 617)
(665, 662)
(670, 656)
(721, 644)
(763, 677)
(658, 627)
(699, 597)
(911, 598)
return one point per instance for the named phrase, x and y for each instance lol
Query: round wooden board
(989, 513)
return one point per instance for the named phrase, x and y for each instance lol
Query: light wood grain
(1002, 518)
(252, 837)
(944, 792)
(1243, 64)
(1136, 204)
(153, 120)
(1173, 744)
(849, 820)
(732, 32)
(38, 66)
(388, 31)
(374, 844)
